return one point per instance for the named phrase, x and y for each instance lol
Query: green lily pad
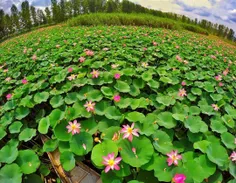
(27, 134)
(57, 101)
(135, 116)
(113, 113)
(9, 152)
(162, 142)
(68, 161)
(81, 143)
(144, 151)
(228, 140)
(11, 173)
(15, 127)
(44, 124)
(28, 161)
(165, 119)
(41, 97)
(122, 86)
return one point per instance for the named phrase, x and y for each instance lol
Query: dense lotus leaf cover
(141, 104)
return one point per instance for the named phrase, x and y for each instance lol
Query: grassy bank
(132, 19)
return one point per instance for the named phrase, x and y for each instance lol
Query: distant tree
(2, 24)
(221, 29)
(68, 9)
(25, 13)
(41, 17)
(76, 6)
(48, 15)
(85, 6)
(15, 17)
(62, 10)
(230, 35)
(196, 21)
(8, 24)
(55, 11)
(226, 31)
(184, 18)
(34, 15)
(110, 6)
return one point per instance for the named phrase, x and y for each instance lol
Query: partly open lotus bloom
(105, 49)
(89, 106)
(34, 57)
(72, 77)
(117, 76)
(25, 51)
(218, 78)
(111, 162)
(57, 46)
(89, 52)
(95, 73)
(5, 70)
(182, 92)
(114, 66)
(70, 69)
(215, 107)
(81, 59)
(179, 178)
(116, 98)
(233, 156)
(145, 64)
(73, 127)
(129, 132)
(185, 62)
(183, 83)
(8, 79)
(213, 56)
(154, 43)
(173, 158)
(9, 96)
(116, 136)
(221, 84)
(178, 58)
(145, 49)
(24, 81)
(225, 72)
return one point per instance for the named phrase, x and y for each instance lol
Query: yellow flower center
(111, 162)
(129, 130)
(73, 127)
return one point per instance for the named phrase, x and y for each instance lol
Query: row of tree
(18, 21)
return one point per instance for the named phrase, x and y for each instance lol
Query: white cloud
(232, 11)
(197, 3)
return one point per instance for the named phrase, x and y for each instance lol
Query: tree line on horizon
(28, 17)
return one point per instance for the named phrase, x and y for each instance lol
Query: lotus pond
(136, 104)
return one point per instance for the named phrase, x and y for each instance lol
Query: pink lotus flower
(179, 178)
(218, 78)
(117, 76)
(111, 162)
(72, 77)
(105, 49)
(8, 79)
(74, 44)
(89, 106)
(114, 66)
(215, 107)
(221, 84)
(5, 70)
(178, 58)
(144, 64)
(185, 62)
(225, 72)
(173, 158)
(81, 59)
(95, 73)
(25, 51)
(116, 98)
(57, 46)
(129, 132)
(154, 43)
(73, 127)
(89, 52)
(70, 69)
(213, 56)
(9, 96)
(182, 92)
(233, 156)
(183, 83)
(145, 49)
(177, 47)
(24, 81)
(34, 57)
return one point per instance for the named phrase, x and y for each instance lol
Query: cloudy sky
(217, 11)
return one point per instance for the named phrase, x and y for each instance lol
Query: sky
(216, 11)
